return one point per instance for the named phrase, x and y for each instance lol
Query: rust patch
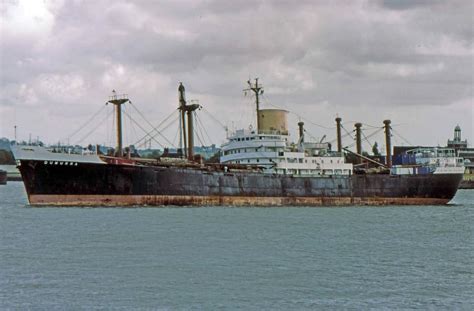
(178, 200)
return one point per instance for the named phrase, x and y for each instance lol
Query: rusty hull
(89, 184)
(178, 200)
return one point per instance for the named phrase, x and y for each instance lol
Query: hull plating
(179, 200)
(98, 184)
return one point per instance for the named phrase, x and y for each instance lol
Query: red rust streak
(178, 200)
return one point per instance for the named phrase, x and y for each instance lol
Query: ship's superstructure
(269, 147)
(258, 167)
(274, 153)
(438, 160)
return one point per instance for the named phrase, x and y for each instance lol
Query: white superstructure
(276, 155)
(431, 160)
(443, 160)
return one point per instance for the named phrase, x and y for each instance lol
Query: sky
(365, 61)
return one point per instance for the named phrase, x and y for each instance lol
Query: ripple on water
(229, 258)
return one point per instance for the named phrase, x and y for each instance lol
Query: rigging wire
(92, 130)
(172, 122)
(299, 116)
(371, 135)
(85, 123)
(372, 126)
(154, 129)
(134, 130)
(311, 122)
(197, 129)
(131, 128)
(145, 131)
(368, 136)
(366, 139)
(354, 121)
(374, 133)
(342, 136)
(176, 136)
(203, 128)
(214, 118)
(311, 136)
(398, 134)
(348, 133)
(199, 138)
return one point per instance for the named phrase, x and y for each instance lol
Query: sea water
(396, 257)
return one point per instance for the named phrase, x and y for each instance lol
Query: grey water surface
(235, 258)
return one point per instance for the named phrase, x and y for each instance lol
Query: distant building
(457, 144)
(204, 151)
(460, 147)
(462, 150)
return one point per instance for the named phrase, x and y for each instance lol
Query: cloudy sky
(408, 61)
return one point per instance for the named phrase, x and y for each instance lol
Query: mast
(181, 149)
(258, 90)
(388, 143)
(301, 130)
(118, 101)
(190, 134)
(182, 108)
(358, 137)
(339, 140)
(187, 109)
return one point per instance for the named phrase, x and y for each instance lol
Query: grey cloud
(408, 4)
(349, 53)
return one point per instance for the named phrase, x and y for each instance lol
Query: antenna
(258, 90)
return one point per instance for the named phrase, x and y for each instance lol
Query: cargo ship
(258, 167)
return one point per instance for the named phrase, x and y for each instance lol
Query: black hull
(108, 184)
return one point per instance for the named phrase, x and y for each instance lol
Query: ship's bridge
(248, 147)
(275, 154)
